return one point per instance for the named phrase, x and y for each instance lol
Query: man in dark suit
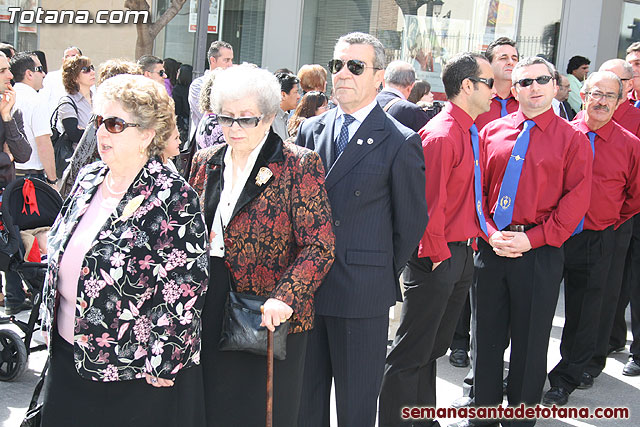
(399, 78)
(375, 182)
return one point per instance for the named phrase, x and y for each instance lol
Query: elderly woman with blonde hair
(271, 236)
(127, 274)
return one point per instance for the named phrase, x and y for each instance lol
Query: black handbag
(241, 330)
(185, 158)
(62, 145)
(33, 417)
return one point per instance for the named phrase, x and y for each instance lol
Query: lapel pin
(369, 141)
(359, 142)
(264, 174)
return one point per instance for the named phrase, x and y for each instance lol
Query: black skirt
(70, 400)
(235, 381)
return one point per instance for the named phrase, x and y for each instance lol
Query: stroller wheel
(13, 355)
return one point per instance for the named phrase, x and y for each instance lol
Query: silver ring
(153, 380)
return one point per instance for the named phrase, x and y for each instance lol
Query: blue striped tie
(592, 140)
(503, 102)
(509, 188)
(477, 177)
(343, 138)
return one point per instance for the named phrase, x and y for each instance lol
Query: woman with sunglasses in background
(312, 104)
(269, 219)
(127, 274)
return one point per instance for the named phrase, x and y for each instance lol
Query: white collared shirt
(359, 117)
(229, 197)
(36, 121)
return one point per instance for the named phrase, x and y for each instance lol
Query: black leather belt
(23, 172)
(519, 227)
(467, 242)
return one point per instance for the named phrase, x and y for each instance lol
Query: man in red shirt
(438, 276)
(503, 56)
(615, 197)
(633, 58)
(536, 188)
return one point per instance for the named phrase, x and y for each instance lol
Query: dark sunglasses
(355, 66)
(243, 122)
(113, 124)
(87, 69)
(161, 73)
(488, 82)
(38, 69)
(542, 80)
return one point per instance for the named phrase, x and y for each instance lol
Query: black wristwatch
(50, 181)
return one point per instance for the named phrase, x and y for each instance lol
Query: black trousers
(521, 294)
(630, 293)
(461, 337)
(432, 304)
(610, 297)
(586, 266)
(351, 351)
(235, 381)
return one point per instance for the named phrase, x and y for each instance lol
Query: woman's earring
(141, 151)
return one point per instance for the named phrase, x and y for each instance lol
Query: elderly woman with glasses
(270, 233)
(127, 274)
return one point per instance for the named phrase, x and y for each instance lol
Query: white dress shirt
(359, 117)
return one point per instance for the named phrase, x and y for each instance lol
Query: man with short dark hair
(399, 78)
(290, 97)
(560, 105)
(633, 58)
(220, 55)
(14, 147)
(577, 70)
(438, 276)
(375, 172)
(537, 183)
(615, 197)
(153, 68)
(503, 55)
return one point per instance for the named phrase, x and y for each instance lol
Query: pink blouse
(71, 263)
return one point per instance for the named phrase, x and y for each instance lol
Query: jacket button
(337, 223)
(227, 242)
(357, 193)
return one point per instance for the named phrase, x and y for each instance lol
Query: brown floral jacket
(279, 242)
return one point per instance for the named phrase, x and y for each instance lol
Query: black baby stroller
(26, 204)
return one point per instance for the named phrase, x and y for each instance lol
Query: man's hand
(510, 244)
(7, 150)
(7, 101)
(435, 265)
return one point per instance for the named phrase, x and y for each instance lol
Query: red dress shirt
(494, 112)
(449, 190)
(615, 189)
(555, 184)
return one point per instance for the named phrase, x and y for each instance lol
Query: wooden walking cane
(269, 422)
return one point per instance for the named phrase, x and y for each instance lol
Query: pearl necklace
(115, 193)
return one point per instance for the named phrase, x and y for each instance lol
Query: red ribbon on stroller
(29, 195)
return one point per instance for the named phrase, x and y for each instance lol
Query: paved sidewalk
(611, 387)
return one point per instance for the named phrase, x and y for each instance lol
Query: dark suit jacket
(376, 190)
(279, 242)
(407, 113)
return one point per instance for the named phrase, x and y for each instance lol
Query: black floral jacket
(142, 284)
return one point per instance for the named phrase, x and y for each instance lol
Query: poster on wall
(212, 25)
(501, 20)
(428, 42)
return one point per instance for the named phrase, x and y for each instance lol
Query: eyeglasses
(87, 69)
(113, 124)
(488, 82)
(541, 80)
(38, 69)
(599, 95)
(355, 66)
(243, 122)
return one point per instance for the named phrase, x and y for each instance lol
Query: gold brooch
(130, 208)
(264, 175)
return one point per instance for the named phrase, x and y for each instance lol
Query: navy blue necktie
(343, 138)
(637, 104)
(509, 188)
(592, 140)
(503, 102)
(477, 177)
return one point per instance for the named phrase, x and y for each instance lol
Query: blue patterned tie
(592, 140)
(509, 188)
(477, 177)
(637, 104)
(343, 138)
(503, 102)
